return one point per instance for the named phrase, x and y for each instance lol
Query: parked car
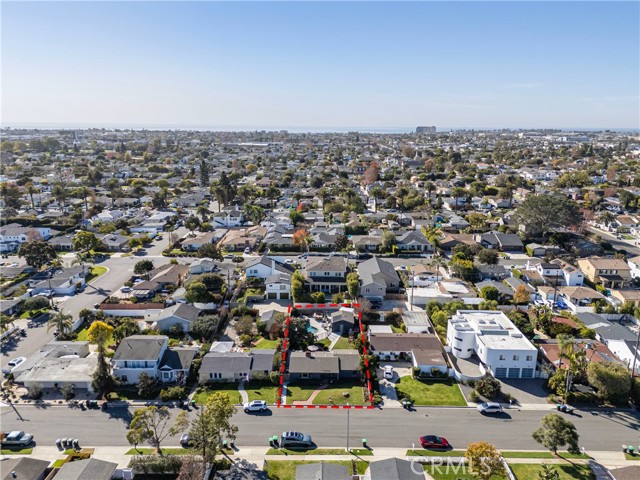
(295, 439)
(247, 251)
(489, 407)
(388, 372)
(13, 364)
(288, 260)
(16, 438)
(255, 406)
(184, 440)
(125, 289)
(45, 293)
(228, 256)
(433, 441)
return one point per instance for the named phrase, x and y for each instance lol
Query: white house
(13, 235)
(634, 263)
(501, 347)
(264, 267)
(229, 217)
(278, 286)
(202, 265)
(151, 354)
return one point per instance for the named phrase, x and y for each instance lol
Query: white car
(288, 260)
(125, 289)
(45, 293)
(255, 406)
(489, 407)
(13, 364)
(388, 372)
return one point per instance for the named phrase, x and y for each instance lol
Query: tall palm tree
(203, 211)
(31, 190)
(575, 357)
(82, 257)
(438, 262)
(60, 321)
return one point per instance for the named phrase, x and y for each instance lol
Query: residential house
(490, 335)
(203, 265)
(594, 351)
(377, 278)
(265, 266)
(343, 321)
(228, 217)
(239, 239)
(393, 469)
(413, 241)
(505, 293)
(326, 274)
(25, 467)
(87, 469)
(115, 242)
(334, 365)
(178, 316)
(634, 264)
(13, 235)
(423, 350)
(236, 366)
(416, 321)
(195, 243)
(491, 272)
(63, 282)
(152, 355)
(505, 242)
(62, 243)
(322, 471)
(608, 272)
(278, 286)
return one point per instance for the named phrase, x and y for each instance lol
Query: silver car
(295, 439)
(255, 406)
(489, 407)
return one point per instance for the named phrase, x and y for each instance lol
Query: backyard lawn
(82, 334)
(343, 344)
(266, 391)
(266, 344)
(95, 273)
(300, 392)
(333, 395)
(430, 392)
(286, 470)
(231, 389)
(526, 471)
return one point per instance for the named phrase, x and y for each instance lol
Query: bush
(393, 318)
(173, 393)
(245, 340)
(635, 391)
(416, 372)
(473, 396)
(274, 377)
(35, 391)
(582, 398)
(156, 464)
(489, 387)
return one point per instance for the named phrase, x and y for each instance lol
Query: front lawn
(96, 271)
(266, 391)
(455, 472)
(131, 394)
(343, 344)
(430, 392)
(526, 471)
(17, 451)
(169, 451)
(435, 453)
(34, 313)
(333, 395)
(231, 389)
(266, 344)
(286, 470)
(300, 392)
(318, 451)
(543, 454)
(82, 334)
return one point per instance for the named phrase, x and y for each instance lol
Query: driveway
(526, 391)
(388, 387)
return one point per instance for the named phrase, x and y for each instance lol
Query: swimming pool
(311, 329)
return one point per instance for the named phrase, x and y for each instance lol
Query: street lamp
(49, 294)
(348, 410)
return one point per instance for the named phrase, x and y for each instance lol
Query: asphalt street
(391, 427)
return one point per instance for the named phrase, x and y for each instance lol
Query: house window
(124, 379)
(502, 357)
(516, 358)
(215, 376)
(366, 290)
(529, 358)
(326, 274)
(304, 375)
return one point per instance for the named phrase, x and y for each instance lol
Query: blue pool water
(311, 329)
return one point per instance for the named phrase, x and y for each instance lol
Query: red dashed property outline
(285, 352)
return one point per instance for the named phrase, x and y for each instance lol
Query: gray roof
(90, 469)
(231, 362)
(415, 319)
(322, 471)
(394, 469)
(376, 270)
(178, 358)
(140, 347)
(605, 329)
(326, 264)
(262, 359)
(25, 467)
(313, 362)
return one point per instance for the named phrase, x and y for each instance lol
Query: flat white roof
(492, 328)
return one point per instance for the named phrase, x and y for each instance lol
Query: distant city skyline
(321, 66)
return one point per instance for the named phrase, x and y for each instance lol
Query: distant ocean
(291, 129)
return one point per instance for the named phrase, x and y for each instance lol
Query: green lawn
(96, 272)
(266, 344)
(168, 451)
(455, 472)
(343, 344)
(130, 394)
(430, 392)
(286, 470)
(231, 389)
(397, 329)
(34, 313)
(82, 335)
(334, 395)
(300, 392)
(527, 471)
(635, 456)
(17, 451)
(266, 391)
(319, 451)
(58, 463)
(543, 454)
(435, 453)
(325, 342)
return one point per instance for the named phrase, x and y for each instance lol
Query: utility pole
(348, 410)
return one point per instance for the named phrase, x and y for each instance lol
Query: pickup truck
(16, 439)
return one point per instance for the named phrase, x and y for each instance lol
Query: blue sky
(321, 64)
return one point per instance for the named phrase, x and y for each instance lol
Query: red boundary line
(285, 353)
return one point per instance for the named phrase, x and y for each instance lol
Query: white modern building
(503, 350)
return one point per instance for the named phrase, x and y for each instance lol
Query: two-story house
(13, 235)
(378, 277)
(152, 355)
(608, 272)
(265, 266)
(326, 274)
(228, 217)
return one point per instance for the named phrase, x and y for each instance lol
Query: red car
(433, 441)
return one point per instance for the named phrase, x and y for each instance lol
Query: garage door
(284, 296)
(272, 295)
(514, 373)
(501, 372)
(527, 373)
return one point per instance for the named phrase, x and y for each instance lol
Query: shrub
(582, 398)
(473, 396)
(416, 371)
(173, 393)
(35, 391)
(156, 464)
(635, 391)
(274, 377)
(489, 387)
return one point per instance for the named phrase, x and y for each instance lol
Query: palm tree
(82, 257)
(126, 327)
(576, 359)
(606, 217)
(438, 262)
(60, 321)
(31, 189)
(203, 211)
(456, 193)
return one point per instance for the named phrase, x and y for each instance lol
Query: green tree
(85, 241)
(197, 292)
(147, 385)
(68, 391)
(204, 173)
(35, 303)
(205, 327)
(353, 285)
(60, 321)
(296, 217)
(488, 257)
(317, 297)
(463, 269)
(484, 460)
(612, 380)
(212, 426)
(297, 286)
(388, 241)
(191, 223)
(341, 242)
(489, 292)
(100, 333)
(210, 250)
(541, 215)
(548, 472)
(299, 337)
(125, 328)
(555, 432)
(143, 266)
(37, 253)
(153, 424)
